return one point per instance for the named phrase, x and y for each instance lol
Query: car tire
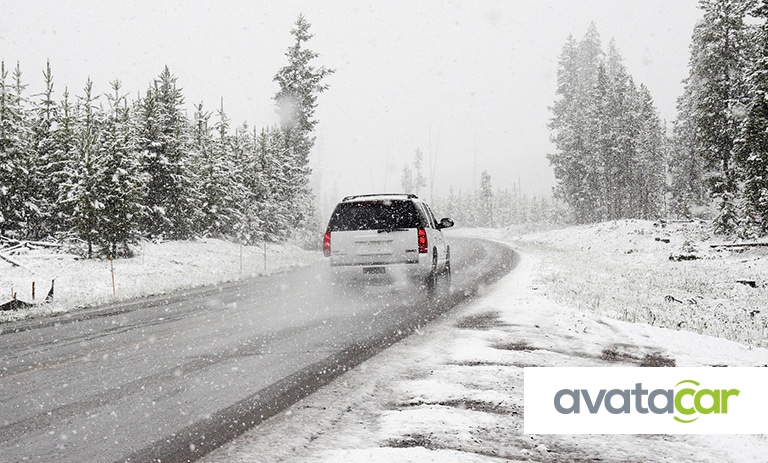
(442, 289)
(446, 277)
(432, 280)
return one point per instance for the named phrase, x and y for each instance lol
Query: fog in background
(466, 82)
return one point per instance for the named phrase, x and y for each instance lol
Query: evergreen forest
(616, 159)
(102, 171)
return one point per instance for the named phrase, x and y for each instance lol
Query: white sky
(467, 81)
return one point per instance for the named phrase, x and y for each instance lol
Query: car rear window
(374, 215)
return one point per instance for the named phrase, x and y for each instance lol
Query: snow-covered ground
(454, 391)
(157, 268)
(619, 293)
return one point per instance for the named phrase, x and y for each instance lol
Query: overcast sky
(467, 82)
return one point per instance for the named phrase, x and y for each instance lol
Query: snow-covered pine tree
(164, 135)
(153, 164)
(8, 163)
(214, 166)
(486, 200)
(600, 120)
(81, 187)
(273, 201)
(220, 163)
(31, 211)
(300, 83)
(60, 174)
(602, 176)
(231, 152)
(406, 179)
(49, 157)
(622, 169)
(253, 189)
(575, 162)
(561, 131)
(238, 197)
(419, 181)
(651, 148)
(752, 145)
(121, 184)
(686, 167)
(411, 178)
(720, 49)
(202, 152)
(19, 211)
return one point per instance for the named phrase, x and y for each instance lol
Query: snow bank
(157, 268)
(614, 293)
(667, 275)
(454, 391)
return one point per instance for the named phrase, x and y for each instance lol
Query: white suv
(388, 237)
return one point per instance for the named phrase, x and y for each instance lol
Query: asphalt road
(171, 378)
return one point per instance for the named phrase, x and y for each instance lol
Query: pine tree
(273, 202)
(411, 179)
(688, 189)
(62, 170)
(406, 179)
(238, 196)
(223, 170)
(719, 55)
(223, 193)
(574, 133)
(602, 182)
(18, 209)
(253, 190)
(206, 170)
(609, 154)
(622, 165)
(486, 200)
(651, 144)
(300, 83)
(419, 181)
(120, 183)
(49, 162)
(752, 145)
(8, 162)
(81, 187)
(164, 144)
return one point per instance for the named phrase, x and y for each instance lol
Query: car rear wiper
(389, 230)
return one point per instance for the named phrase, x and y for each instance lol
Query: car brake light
(327, 244)
(422, 237)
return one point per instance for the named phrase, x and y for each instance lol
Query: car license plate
(374, 270)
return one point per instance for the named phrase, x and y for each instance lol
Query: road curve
(171, 378)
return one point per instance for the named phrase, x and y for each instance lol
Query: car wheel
(432, 280)
(443, 283)
(446, 277)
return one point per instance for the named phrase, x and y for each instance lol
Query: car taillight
(327, 244)
(423, 245)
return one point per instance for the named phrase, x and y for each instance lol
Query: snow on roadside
(157, 268)
(453, 392)
(665, 275)
(604, 294)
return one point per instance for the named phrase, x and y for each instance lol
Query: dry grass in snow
(667, 276)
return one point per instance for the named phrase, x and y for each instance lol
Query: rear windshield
(374, 215)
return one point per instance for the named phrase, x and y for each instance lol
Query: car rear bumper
(378, 274)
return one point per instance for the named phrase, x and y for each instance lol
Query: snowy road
(173, 377)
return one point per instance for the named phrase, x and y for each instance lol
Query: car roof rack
(407, 195)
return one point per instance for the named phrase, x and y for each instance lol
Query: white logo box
(615, 400)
